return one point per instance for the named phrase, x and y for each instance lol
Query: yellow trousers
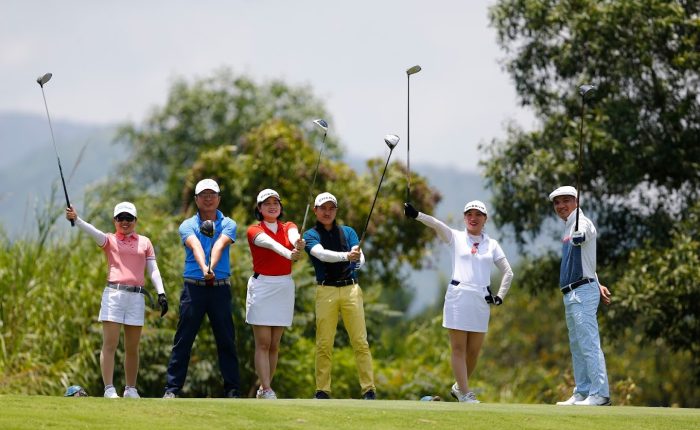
(347, 302)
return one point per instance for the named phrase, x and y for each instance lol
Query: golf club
(391, 141)
(583, 90)
(323, 125)
(413, 70)
(42, 80)
(207, 228)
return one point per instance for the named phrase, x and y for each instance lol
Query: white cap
(266, 194)
(325, 197)
(206, 184)
(563, 191)
(125, 207)
(476, 204)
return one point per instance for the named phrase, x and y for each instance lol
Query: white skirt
(466, 308)
(270, 301)
(122, 307)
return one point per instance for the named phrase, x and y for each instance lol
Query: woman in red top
(270, 300)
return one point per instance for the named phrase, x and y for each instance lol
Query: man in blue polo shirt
(335, 254)
(582, 293)
(205, 292)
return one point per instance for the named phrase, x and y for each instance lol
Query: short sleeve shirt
(473, 268)
(222, 225)
(126, 257)
(266, 261)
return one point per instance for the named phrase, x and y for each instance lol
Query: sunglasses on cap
(125, 217)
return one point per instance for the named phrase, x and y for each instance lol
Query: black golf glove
(163, 302)
(493, 300)
(410, 211)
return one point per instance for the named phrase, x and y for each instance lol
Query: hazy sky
(114, 60)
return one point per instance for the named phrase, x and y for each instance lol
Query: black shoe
(369, 395)
(233, 394)
(321, 395)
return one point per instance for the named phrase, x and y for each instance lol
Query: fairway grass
(40, 412)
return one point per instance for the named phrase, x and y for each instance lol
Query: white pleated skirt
(270, 301)
(466, 309)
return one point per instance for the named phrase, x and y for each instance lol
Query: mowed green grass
(39, 412)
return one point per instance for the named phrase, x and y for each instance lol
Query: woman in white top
(466, 310)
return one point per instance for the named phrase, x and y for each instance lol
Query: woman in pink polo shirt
(270, 299)
(128, 256)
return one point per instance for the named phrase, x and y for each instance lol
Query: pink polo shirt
(126, 257)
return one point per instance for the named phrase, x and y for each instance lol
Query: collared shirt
(577, 261)
(330, 239)
(473, 268)
(266, 261)
(222, 225)
(126, 257)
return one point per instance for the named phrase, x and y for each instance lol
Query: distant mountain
(28, 167)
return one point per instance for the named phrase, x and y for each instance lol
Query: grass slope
(38, 412)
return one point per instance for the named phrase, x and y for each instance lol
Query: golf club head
(412, 70)
(207, 228)
(41, 80)
(391, 140)
(322, 124)
(586, 89)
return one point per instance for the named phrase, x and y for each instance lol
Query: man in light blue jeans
(582, 293)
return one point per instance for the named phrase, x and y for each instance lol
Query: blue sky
(114, 61)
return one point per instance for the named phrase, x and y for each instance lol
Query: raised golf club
(411, 71)
(585, 90)
(207, 228)
(42, 80)
(323, 125)
(391, 141)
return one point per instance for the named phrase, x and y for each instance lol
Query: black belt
(572, 286)
(339, 282)
(203, 283)
(455, 283)
(132, 289)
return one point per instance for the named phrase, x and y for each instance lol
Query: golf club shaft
(364, 232)
(408, 139)
(211, 247)
(313, 182)
(58, 159)
(580, 163)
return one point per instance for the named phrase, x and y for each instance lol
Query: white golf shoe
(594, 400)
(572, 400)
(268, 395)
(131, 392)
(111, 393)
(469, 397)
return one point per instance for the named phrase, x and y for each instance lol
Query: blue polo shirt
(222, 225)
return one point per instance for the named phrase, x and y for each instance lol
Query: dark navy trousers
(195, 302)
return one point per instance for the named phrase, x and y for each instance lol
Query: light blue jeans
(587, 356)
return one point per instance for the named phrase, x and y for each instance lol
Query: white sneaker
(259, 393)
(111, 393)
(268, 395)
(469, 397)
(572, 400)
(130, 392)
(594, 400)
(169, 395)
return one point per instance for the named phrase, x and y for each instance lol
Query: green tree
(205, 114)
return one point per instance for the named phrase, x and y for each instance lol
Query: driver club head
(321, 124)
(207, 228)
(41, 80)
(412, 70)
(391, 140)
(586, 89)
